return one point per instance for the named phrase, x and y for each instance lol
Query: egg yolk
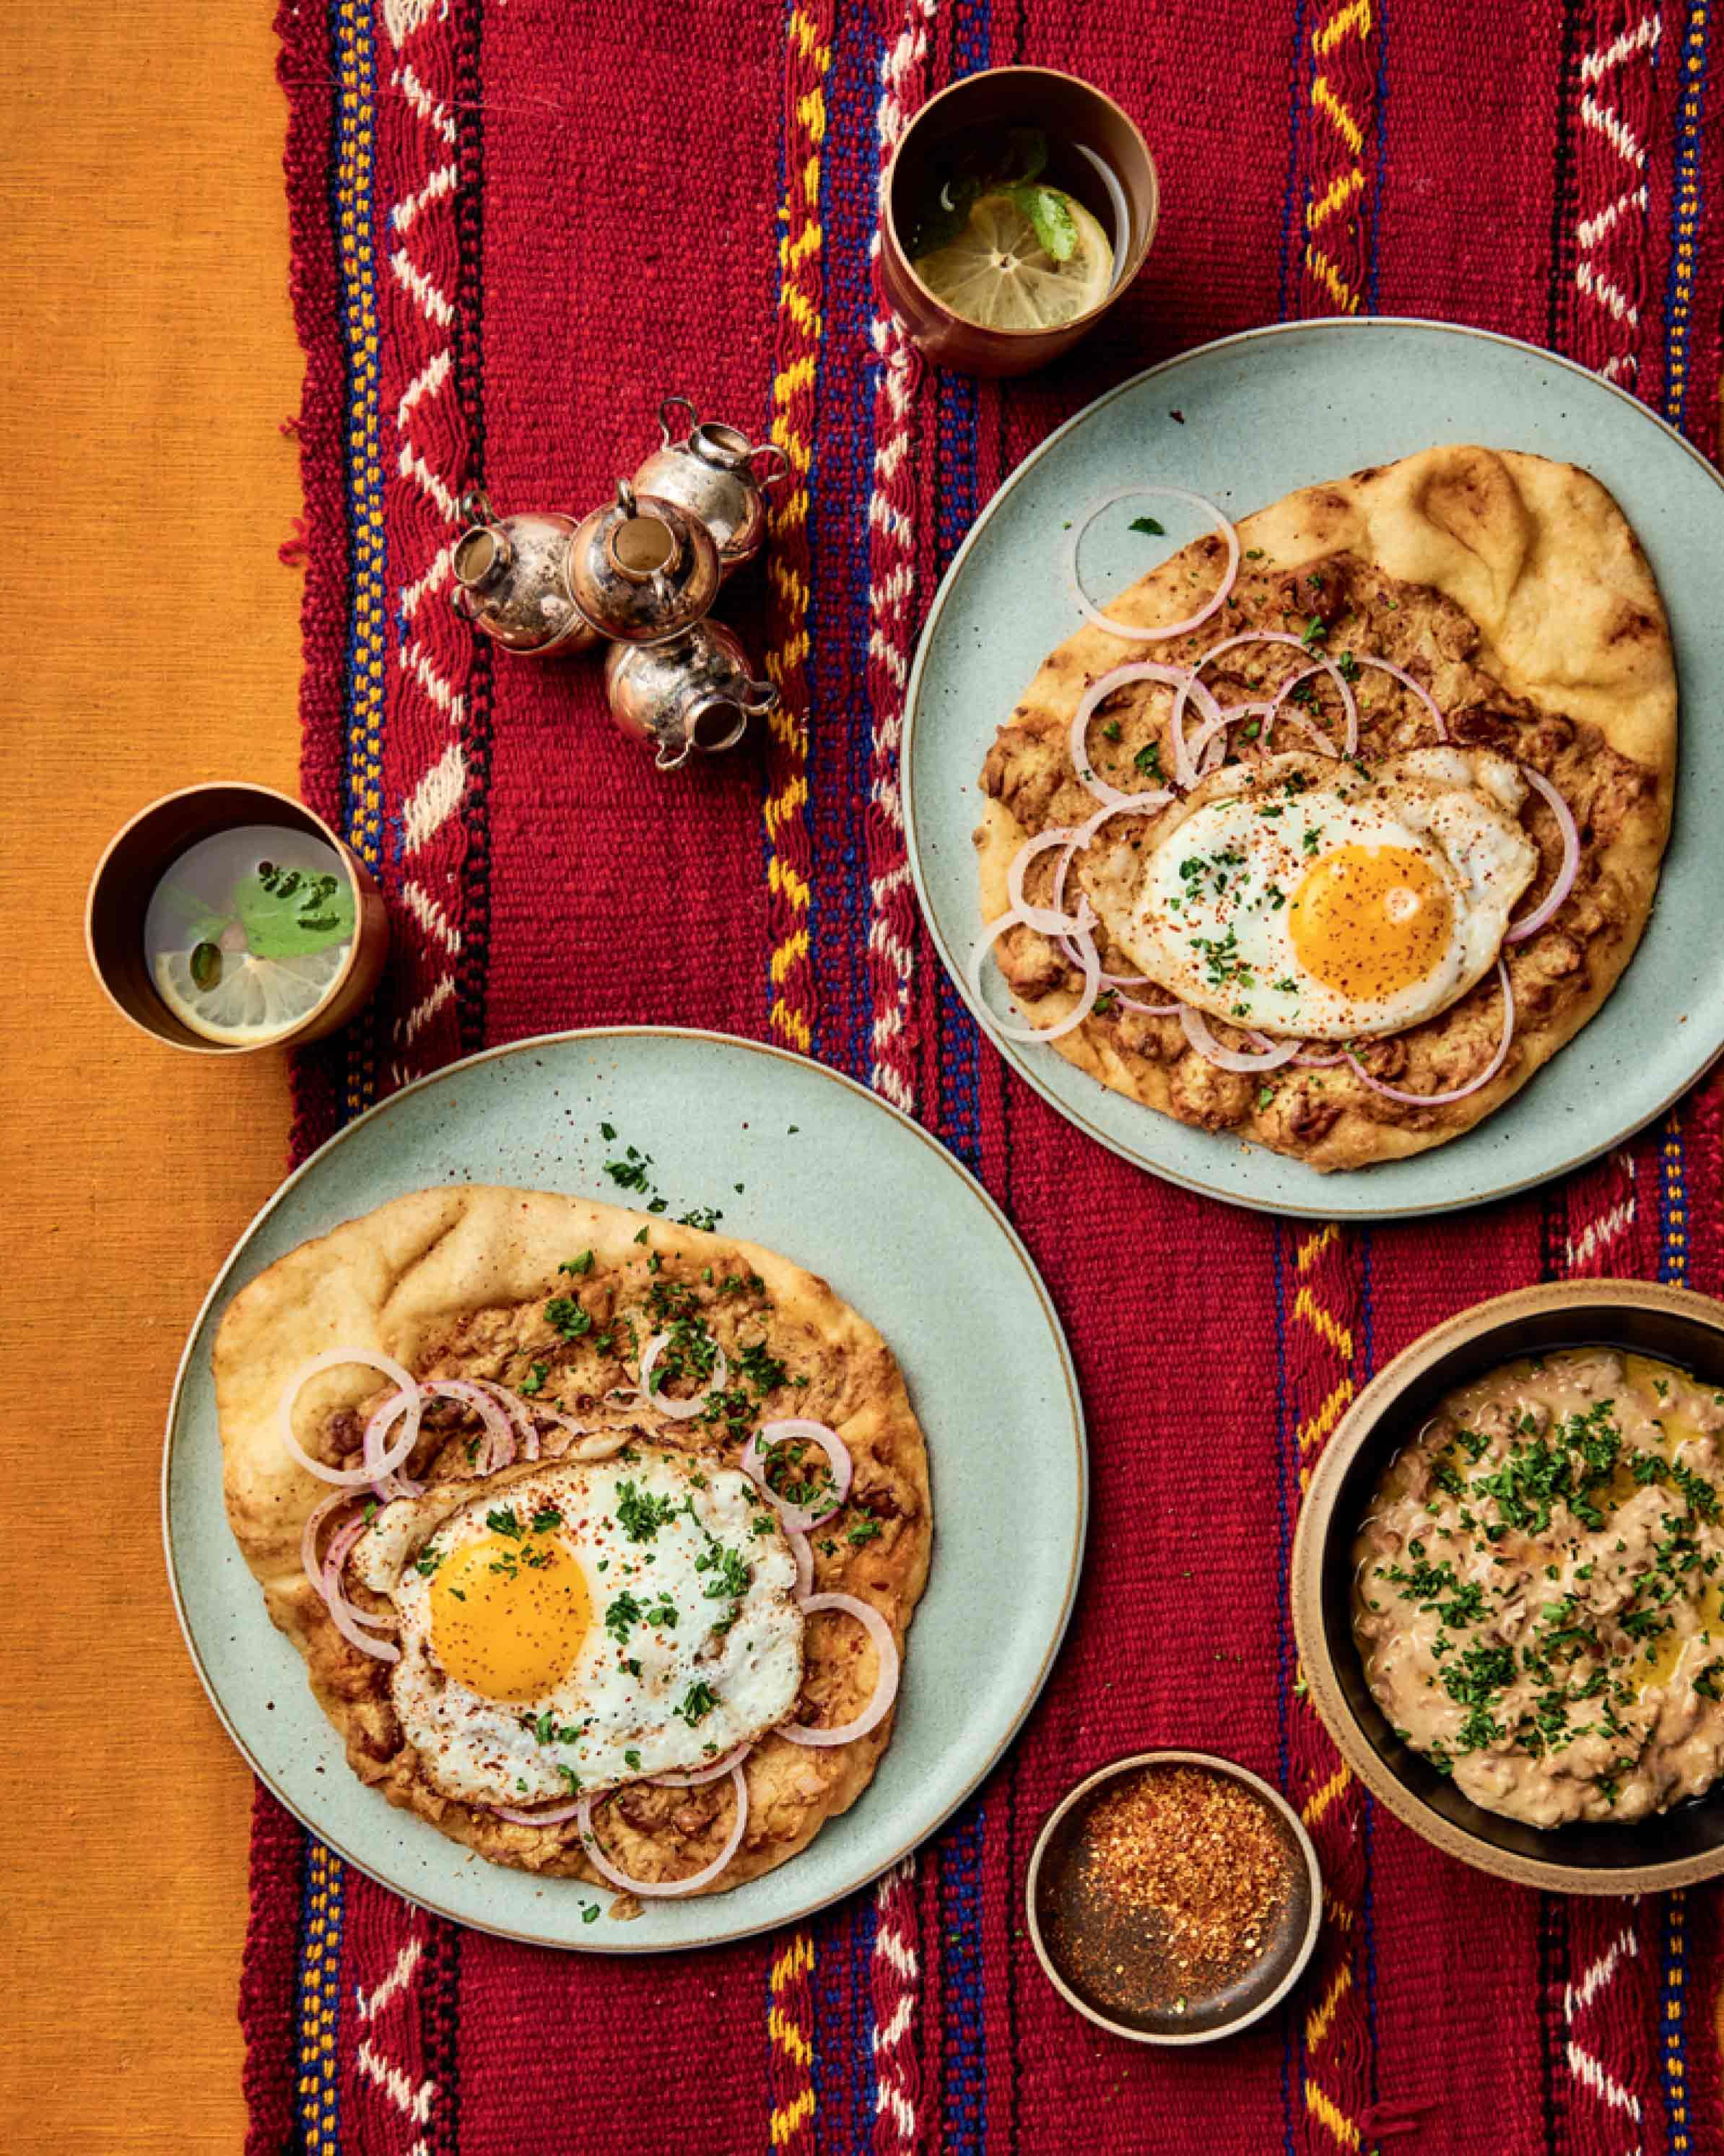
(508, 1615)
(1366, 920)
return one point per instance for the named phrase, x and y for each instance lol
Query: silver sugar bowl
(711, 472)
(512, 580)
(641, 570)
(693, 693)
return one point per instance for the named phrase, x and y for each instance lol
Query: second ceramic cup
(1104, 162)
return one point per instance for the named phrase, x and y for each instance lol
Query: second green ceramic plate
(1244, 422)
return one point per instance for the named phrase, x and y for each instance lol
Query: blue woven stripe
(1686, 208)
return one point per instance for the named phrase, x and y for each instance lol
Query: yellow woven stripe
(789, 2038)
(1331, 280)
(1306, 1306)
(792, 1025)
(791, 2117)
(1320, 2018)
(1313, 1246)
(1345, 125)
(1337, 196)
(1355, 16)
(1314, 1431)
(1313, 1811)
(800, 326)
(1324, 2107)
(793, 949)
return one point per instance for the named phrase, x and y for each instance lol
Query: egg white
(603, 1722)
(1210, 918)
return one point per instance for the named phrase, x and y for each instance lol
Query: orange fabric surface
(150, 639)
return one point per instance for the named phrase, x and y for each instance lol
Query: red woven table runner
(514, 227)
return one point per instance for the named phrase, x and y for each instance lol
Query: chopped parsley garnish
(696, 1703)
(533, 1381)
(639, 1513)
(503, 1521)
(546, 1518)
(623, 1613)
(1148, 760)
(583, 1264)
(630, 1172)
(565, 1315)
(864, 1530)
(427, 1562)
(632, 1761)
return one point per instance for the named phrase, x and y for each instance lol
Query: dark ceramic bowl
(1051, 1893)
(138, 857)
(1070, 111)
(1674, 1849)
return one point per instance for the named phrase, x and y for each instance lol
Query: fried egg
(586, 1624)
(1304, 895)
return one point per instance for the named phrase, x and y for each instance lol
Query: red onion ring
(521, 1416)
(501, 1451)
(678, 1410)
(310, 1562)
(797, 1519)
(1456, 1092)
(336, 1358)
(1045, 923)
(1350, 740)
(1197, 1032)
(603, 1865)
(1310, 1062)
(1121, 677)
(802, 1550)
(1056, 834)
(538, 1819)
(1406, 679)
(347, 1619)
(1571, 858)
(734, 1757)
(1077, 840)
(1091, 613)
(885, 1687)
(399, 1483)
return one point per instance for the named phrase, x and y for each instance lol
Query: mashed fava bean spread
(1539, 1588)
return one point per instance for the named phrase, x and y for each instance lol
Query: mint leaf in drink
(1051, 214)
(289, 912)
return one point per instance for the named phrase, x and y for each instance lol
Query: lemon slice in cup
(998, 275)
(253, 998)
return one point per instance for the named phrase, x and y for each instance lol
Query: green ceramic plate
(864, 1197)
(1244, 422)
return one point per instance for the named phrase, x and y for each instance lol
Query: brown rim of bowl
(364, 945)
(965, 84)
(1301, 1955)
(1320, 1520)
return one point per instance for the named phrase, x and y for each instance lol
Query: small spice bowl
(139, 855)
(1677, 1848)
(1114, 176)
(1077, 1929)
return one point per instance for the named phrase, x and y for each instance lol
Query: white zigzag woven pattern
(1622, 200)
(896, 1975)
(428, 707)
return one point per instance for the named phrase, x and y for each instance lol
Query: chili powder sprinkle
(1179, 1879)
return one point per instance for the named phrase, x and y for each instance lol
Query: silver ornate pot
(711, 472)
(511, 581)
(693, 694)
(642, 570)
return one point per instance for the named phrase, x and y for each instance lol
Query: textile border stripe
(808, 62)
(366, 692)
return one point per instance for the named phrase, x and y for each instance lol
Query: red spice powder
(1178, 1878)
